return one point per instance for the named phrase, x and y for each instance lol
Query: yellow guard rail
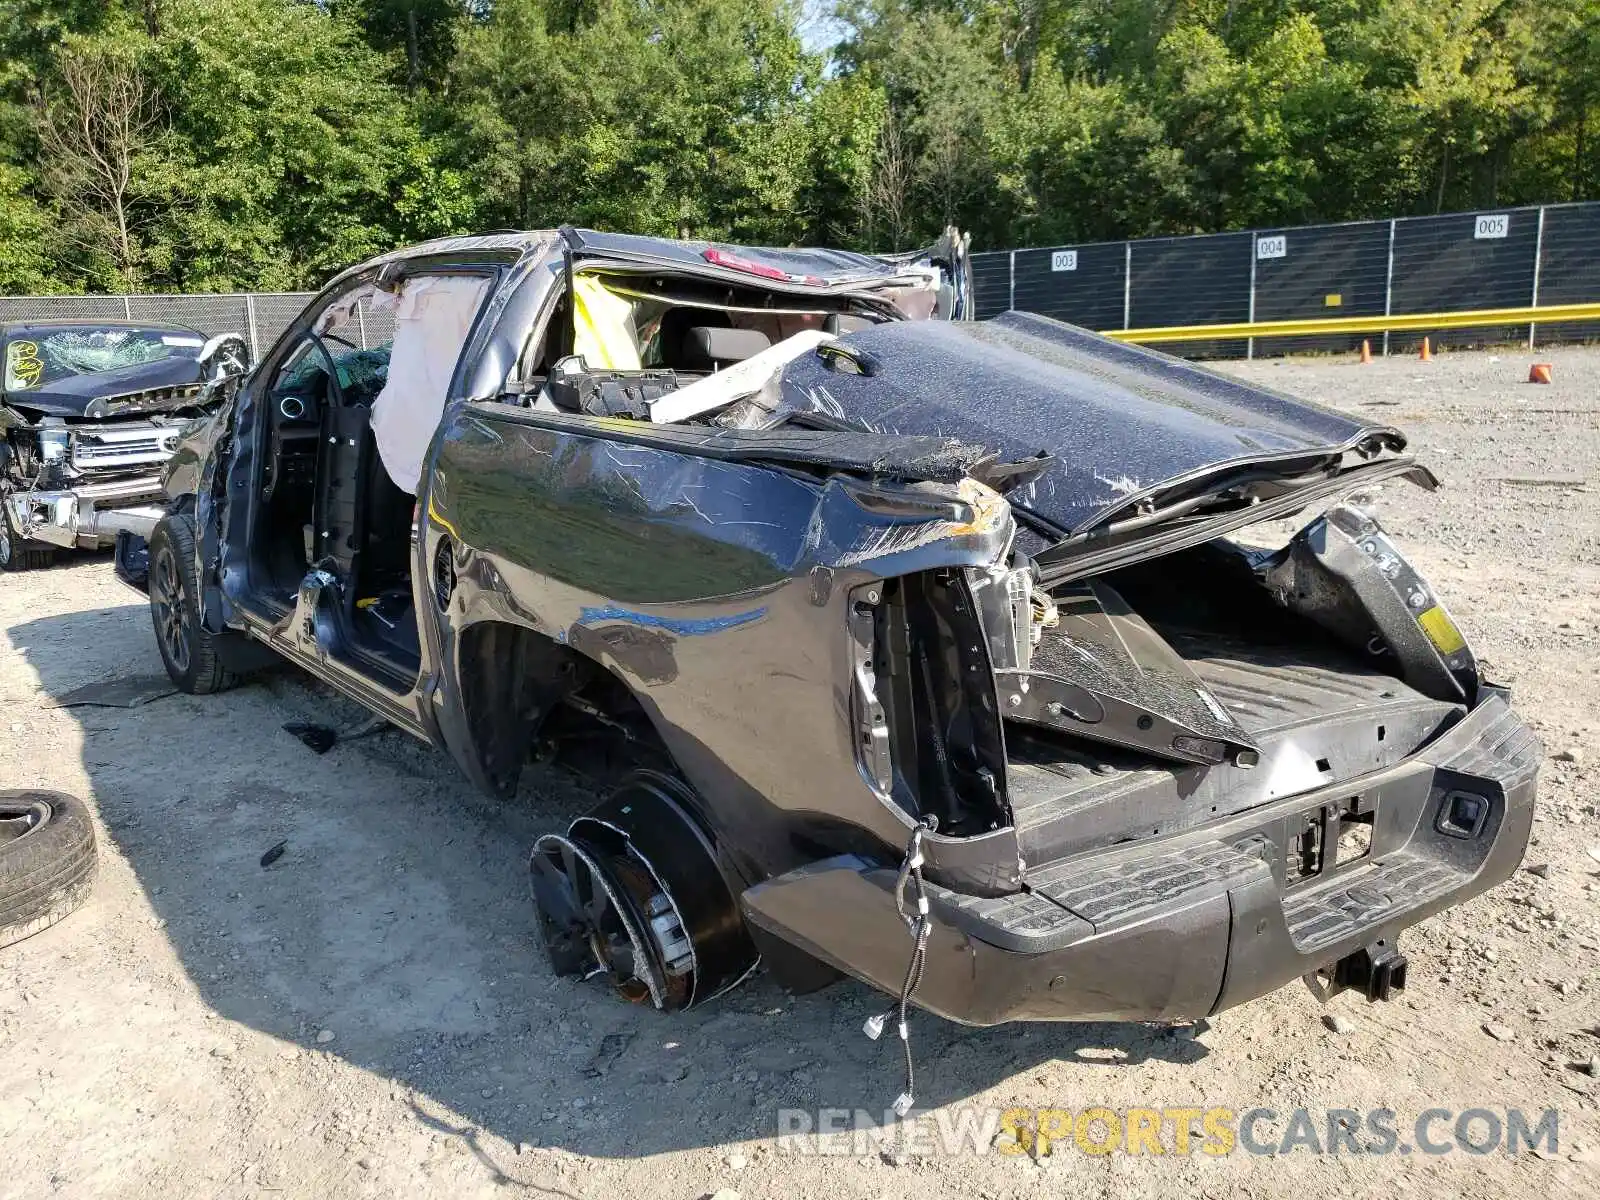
(1394, 323)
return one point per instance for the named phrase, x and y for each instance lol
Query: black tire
(188, 651)
(18, 553)
(47, 860)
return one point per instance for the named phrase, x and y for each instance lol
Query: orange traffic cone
(1427, 351)
(1366, 351)
(1539, 373)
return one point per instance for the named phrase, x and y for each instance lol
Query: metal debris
(130, 691)
(320, 738)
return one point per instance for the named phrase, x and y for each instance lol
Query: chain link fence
(259, 316)
(1507, 258)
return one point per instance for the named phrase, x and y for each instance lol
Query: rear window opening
(645, 337)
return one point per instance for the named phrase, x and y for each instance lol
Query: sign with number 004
(1063, 260)
(1492, 225)
(1276, 246)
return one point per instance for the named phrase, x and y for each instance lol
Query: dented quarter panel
(716, 590)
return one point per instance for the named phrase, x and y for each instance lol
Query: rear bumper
(91, 514)
(1185, 926)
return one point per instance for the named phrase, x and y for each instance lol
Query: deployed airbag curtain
(603, 334)
(433, 315)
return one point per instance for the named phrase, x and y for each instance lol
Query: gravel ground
(372, 1016)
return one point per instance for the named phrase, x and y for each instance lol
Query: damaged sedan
(89, 413)
(942, 652)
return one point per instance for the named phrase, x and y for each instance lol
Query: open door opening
(352, 410)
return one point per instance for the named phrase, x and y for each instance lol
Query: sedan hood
(1121, 423)
(70, 396)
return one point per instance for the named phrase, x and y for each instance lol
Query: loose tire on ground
(189, 651)
(47, 860)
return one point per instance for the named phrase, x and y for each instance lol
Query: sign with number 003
(1276, 246)
(1492, 225)
(1063, 260)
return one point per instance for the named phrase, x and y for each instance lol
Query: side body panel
(717, 591)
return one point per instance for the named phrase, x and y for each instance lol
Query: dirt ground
(371, 1015)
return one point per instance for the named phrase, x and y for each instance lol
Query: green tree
(294, 153)
(281, 139)
(655, 116)
(420, 34)
(25, 240)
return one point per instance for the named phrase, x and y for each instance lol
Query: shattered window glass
(39, 361)
(357, 338)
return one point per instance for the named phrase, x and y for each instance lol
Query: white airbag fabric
(431, 322)
(735, 382)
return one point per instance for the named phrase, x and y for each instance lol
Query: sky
(819, 29)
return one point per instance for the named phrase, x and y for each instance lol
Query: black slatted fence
(1506, 258)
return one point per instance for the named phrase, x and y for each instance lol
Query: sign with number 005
(1492, 225)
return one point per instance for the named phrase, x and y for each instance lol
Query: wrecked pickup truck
(89, 412)
(935, 641)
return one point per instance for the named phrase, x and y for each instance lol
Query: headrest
(707, 346)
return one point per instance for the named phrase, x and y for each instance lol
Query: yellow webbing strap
(603, 326)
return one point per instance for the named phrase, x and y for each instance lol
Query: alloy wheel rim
(171, 609)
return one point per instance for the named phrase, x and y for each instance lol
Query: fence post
(1127, 284)
(1388, 287)
(1538, 258)
(1250, 342)
(1011, 296)
(250, 324)
(127, 307)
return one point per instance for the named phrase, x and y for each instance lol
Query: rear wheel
(189, 651)
(47, 860)
(17, 553)
(634, 892)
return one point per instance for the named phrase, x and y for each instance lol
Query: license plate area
(1325, 840)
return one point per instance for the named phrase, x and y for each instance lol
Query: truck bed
(1319, 713)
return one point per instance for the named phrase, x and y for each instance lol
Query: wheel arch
(507, 676)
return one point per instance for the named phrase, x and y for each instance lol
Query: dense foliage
(217, 144)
